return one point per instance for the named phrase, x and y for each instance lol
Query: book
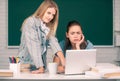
(25, 68)
(25, 65)
(106, 70)
(6, 73)
(112, 75)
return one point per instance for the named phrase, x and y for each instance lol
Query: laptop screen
(79, 61)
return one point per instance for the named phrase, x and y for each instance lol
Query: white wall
(104, 54)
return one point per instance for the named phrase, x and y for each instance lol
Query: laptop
(79, 61)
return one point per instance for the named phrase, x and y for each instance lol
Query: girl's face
(74, 34)
(49, 15)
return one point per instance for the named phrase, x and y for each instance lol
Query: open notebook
(79, 61)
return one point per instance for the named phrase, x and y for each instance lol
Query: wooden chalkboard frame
(69, 10)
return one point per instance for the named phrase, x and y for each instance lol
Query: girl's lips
(76, 39)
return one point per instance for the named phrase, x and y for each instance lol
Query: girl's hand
(62, 58)
(61, 69)
(80, 42)
(39, 71)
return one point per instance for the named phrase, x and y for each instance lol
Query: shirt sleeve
(54, 44)
(62, 45)
(89, 45)
(33, 43)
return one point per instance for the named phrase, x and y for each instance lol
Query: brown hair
(67, 41)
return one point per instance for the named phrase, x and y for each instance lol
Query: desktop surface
(47, 76)
(22, 76)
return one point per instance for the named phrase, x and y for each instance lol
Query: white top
(46, 76)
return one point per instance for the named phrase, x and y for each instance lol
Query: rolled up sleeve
(54, 44)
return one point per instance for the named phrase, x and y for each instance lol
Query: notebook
(79, 61)
(6, 73)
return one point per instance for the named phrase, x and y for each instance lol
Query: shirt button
(42, 36)
(42, 44)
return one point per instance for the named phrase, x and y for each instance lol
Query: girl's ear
(67, 35)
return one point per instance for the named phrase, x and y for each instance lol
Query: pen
(10, 60)
(17, 60)
(14, 60)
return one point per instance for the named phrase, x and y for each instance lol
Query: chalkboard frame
(27, 10)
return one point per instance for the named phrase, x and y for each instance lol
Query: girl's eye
(72, 33)
(48, 12)
(78, 33)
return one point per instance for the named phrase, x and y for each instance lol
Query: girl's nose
(50, 17)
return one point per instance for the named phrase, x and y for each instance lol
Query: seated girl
(75, 40)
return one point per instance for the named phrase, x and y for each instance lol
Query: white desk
(47, 76)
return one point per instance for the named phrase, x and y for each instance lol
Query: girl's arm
(56, 49)
(80, 42)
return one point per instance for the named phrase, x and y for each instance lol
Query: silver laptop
(79, 61)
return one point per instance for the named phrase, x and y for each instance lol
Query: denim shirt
(89, 45)
(33, 47)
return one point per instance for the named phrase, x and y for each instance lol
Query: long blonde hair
(41, 10)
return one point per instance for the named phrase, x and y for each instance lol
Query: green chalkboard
(95, 16)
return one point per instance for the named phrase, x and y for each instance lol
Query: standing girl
(38, 31)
